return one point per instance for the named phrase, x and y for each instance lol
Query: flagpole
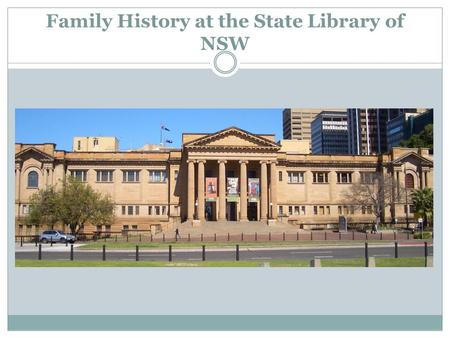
(160, 134)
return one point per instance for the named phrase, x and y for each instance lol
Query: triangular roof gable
(32, 150)
(233, 137)
(414, 155)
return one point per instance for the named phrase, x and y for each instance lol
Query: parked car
(56, 236)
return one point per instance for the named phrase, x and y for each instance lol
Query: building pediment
(414, 158)
(232, 138)
(34, 153)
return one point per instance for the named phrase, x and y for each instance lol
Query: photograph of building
(229, 175)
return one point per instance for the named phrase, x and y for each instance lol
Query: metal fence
(141, 236)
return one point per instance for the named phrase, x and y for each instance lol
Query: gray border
(228, 323)
(259, 291)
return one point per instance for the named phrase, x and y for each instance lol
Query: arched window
(33, 179)
(409, 181)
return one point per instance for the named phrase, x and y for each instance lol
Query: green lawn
(380, 262)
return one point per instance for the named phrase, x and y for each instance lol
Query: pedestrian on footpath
(177, 234)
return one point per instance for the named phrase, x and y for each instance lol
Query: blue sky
(136, 127)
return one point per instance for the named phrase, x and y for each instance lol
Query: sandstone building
(228, 175)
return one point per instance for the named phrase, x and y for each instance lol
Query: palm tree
(423, 203)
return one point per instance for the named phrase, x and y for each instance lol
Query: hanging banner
(211, 187)
(253, 187)
(232, 186)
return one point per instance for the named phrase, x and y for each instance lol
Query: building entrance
(210, 211)
(252, 211)
(231, 211)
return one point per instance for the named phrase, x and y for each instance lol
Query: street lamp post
(271, 211)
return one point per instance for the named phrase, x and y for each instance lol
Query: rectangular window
(363, 210)
(107, 228)
(105, 175)
(124, 209)
(134, 227)
(340, 210)
(344, 177)
(150, 210)
(130, 210)
(315, 210)
(320, 177)
(296, 210)
(280, 176)
(99, 228)
(80, 175)
(367, 178)
(131, 175)
(290, 210)
(25, 209)
(345, 210)
(369, 209)
(136, 210)
(328, 210)
(157, 210)
(295, 177)
(163, 210)
(303, 210)
(321, 210)
(280, 210)
(125, 227)
(157, 176)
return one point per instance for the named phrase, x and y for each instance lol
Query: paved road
(245, 254)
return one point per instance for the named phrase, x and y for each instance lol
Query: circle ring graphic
(229, 71)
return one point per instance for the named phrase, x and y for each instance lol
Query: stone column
(190, 191)
(201, 190)
(243, 191)
(422, 179)
(273, 189)
(18, 178)
(45, 175)
(50, 176)
(263, 200)
(222, 191)
(429, 178)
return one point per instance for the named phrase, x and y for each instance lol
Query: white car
(56, 236)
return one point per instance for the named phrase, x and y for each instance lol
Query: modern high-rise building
(330, 133)
(406, 124)
(367, 129)
(297, 122)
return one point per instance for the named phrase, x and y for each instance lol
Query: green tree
(43, 208)
(75, 205)
(422, 140)
(423, 203)
(79, 204)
